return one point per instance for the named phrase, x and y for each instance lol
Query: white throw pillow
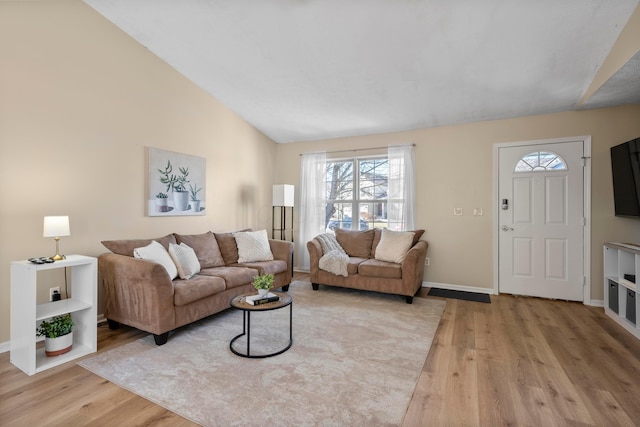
(394, 245)
(253, 246)
(185, 258)
(155, 252)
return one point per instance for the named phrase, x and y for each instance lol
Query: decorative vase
(180, 200)
(59, 345)
(263, 292)
(161, 205)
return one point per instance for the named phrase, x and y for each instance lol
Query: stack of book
(258, 299)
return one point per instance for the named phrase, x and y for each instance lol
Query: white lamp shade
(283, 195)
(56, 226)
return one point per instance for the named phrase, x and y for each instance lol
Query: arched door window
(540, 161)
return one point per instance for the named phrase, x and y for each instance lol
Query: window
(540, 161)
(356, 193)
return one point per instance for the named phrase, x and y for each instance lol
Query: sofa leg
(285, 288)
(161, 339)
(315, 286)
(113, 325)
(409, 300)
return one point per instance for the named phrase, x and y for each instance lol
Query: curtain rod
(357, 149)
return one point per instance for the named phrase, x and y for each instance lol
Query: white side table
(26, 313)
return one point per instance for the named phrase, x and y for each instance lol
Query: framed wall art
(176, 184)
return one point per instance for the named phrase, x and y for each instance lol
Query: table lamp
(56, 226)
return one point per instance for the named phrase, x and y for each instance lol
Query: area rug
(355, 360)
(463, 295)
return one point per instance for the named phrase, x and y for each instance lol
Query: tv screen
(625, 168)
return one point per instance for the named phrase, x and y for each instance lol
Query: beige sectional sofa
(366, 272)
(141, 294)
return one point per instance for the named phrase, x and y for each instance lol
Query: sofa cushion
(375, 268)
(185, 260)
(126, 247)
(355, 243)
(155, 252)
(206, 248)
(198, 287)
(228, 247)
(253, 246)
(394, 245)
(354, 262)
(233, 276)
(417, 234)
(268, 267)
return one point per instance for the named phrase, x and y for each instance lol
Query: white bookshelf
(621, 295)
(26, 313)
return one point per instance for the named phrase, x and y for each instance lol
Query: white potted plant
(177, 184)
(263, 283)
(195, 202)
(58, 334)
(161, 203)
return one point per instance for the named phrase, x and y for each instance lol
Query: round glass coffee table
(240, 304)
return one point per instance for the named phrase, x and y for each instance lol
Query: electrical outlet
(52, 291)
(426, 261)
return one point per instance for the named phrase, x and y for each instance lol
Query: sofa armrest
(282, 250)
(138, 293)
(413, 264)
(315, 253)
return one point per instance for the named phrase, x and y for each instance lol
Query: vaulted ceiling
(301, 70)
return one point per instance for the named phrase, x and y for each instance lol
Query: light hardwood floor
(515, 362)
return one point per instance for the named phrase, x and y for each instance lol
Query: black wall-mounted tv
(625, 169)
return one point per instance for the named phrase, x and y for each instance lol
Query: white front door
(541, 220)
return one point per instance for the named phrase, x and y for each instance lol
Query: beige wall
(79, 102)
(455, 169)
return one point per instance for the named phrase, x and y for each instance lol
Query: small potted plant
(58, 334)
(161, 202)
(263, 283)
(195, 202)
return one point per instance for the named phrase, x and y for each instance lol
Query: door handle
(505, 228)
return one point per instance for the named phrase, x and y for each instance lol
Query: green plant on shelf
(56, 327)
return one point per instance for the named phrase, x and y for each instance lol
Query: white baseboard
(457, 287)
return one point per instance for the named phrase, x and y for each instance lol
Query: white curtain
(311, 204)
(402, 187)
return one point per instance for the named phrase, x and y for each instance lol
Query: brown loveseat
(140, 293)
(367, 273)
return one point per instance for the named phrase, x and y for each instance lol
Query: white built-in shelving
(621, 302)
(26, 313)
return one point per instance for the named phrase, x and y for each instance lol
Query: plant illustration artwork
(176, 183)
